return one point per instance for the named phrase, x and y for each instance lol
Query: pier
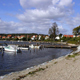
(54, 46)
(59, 46)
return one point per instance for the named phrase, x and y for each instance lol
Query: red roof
(68, 35)
(3, 37)
(8, 36)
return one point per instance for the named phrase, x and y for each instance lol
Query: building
(57, 37)
(34, 37)
(9, 36)
(21, 37)
(68, 36)
(39, 37)
(46, 37)
(3, 37)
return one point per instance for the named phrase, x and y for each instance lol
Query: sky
(37, 16)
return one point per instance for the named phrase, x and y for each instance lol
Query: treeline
(18, 34)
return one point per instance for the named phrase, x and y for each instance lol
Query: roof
(68, 35)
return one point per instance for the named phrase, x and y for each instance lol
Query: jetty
(64, 46)
(60, 46)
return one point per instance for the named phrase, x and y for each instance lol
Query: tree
(76, 31)
(53, 31)
(42, 38)
(60, 35)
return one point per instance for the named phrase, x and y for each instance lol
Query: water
(11, 62)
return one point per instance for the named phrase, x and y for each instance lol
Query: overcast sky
(37, 16)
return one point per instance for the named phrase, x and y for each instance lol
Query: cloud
(38, 16)
(41, 13)
(40, 4)
(62, 29)
(13, 27)
(55, 10)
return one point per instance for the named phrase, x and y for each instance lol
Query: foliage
(24, 38)
(15, 39)
(76, 31)
(60, 35)
(74, 40)
(42, 38)
(30, 73)
(53, 31)
(72, 56)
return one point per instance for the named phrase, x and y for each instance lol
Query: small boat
(34, 46)
(23, 48)
(11, 48)
(31, 46)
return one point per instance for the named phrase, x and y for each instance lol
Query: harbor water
(12, 61)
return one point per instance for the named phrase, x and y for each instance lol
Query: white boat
(11, 48)
(23, 48)
(31, 46)
(34, 46)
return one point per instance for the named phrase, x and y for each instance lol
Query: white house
(46, 37)
(39, 37)
(34, 37)
(57, 38)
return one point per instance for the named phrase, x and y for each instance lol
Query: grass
(55, 62)
(72, 56)
(30, 73)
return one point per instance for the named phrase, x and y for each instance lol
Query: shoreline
(15, 75)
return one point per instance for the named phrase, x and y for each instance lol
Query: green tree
(53, 31)
(60, 35)
(24, 39)
(76, 31)
(42, 38)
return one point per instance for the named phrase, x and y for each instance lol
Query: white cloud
(45, 11)
(38, 16)
(62, 29)
(40, 4)
(51, 12)
(65, 3)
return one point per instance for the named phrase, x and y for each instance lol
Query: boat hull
(10, 48)
(34, 46)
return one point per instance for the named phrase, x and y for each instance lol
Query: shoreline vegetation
(62, 68)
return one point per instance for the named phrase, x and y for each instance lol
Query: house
(9, 36)
(57, 37)
(15, 37)
(39, 38)
(21, 37)
(68, 36)
(46, 37)
(3, 37)
(34, 37)
(0, 36)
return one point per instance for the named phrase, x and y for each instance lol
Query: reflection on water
(12, 61)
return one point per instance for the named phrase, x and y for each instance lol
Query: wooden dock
(60, 46)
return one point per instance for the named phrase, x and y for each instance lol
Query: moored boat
(11, 48)
(34, 46)
(23, 48)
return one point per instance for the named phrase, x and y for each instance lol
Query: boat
(34, 46)
(11, 48)
(23, 48)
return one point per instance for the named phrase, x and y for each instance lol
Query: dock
(60, 46)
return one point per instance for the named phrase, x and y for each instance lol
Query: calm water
(11, 62)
